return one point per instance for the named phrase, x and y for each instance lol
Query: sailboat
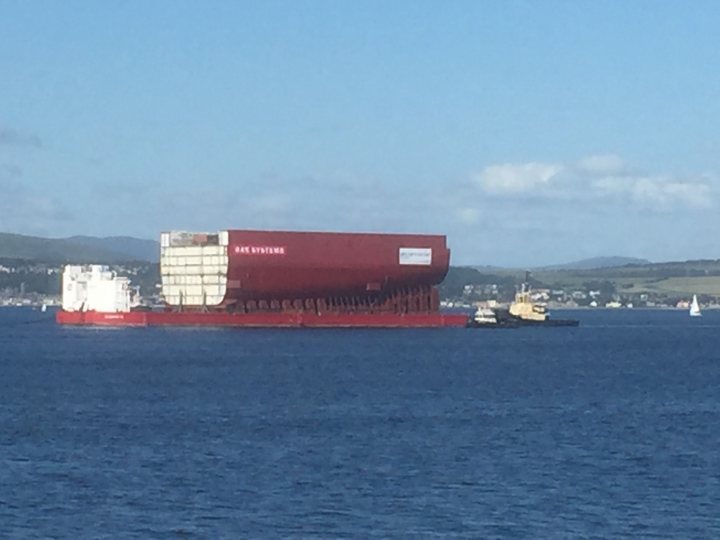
(695, 307)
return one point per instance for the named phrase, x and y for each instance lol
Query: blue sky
(529, 132)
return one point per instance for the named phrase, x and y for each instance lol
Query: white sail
(695, 307)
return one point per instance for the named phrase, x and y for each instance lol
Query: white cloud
(598, 179)
(515, 178)
(468, 216)
(602, 164)
(11, 137)
(272, 202)
(656, 192)
(9, 172)
(30, 212)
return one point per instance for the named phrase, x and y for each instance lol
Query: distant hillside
(676, 280)
(135, 248)
(78, 249)
(458, 277)
(596, 263)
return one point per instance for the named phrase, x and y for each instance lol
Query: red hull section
(262, 319)
(291, 266)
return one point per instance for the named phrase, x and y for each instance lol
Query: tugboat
(521, 312)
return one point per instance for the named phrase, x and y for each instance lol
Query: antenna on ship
(525, 287)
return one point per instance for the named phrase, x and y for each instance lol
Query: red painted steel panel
(266, 265)
(261, 319)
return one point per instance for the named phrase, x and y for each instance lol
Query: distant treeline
(458, 277)
(44, 277)
(657, 270)
(30, 283)
(41, 278)
(608, 282)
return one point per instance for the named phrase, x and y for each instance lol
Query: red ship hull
(269, 265)
(262, 319)
(281, 271)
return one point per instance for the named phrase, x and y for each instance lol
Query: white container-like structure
(95, 287)
(194, 268)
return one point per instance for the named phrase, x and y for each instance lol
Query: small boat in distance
(487, 318)
(695, 307)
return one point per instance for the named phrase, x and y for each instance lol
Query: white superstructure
(194, 268)
(484, 315)
(95, 287)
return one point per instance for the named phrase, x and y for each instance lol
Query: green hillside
(699, 277)
(73, 250)
(669, 280)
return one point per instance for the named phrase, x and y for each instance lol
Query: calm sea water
(611, 429)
